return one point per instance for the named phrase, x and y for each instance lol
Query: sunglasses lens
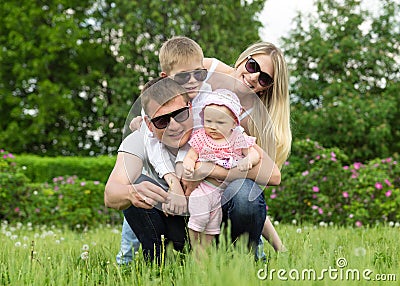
(182, 78)
(161, 122)
(252, 66)
(264, 79)
(200, 75)
(182, 116)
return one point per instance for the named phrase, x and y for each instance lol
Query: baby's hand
(135, 123)
(244, 164)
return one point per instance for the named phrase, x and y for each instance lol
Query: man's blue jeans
(243, 205)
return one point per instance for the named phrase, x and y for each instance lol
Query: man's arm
(120, 192)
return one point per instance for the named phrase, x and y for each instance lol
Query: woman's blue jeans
(243, 205)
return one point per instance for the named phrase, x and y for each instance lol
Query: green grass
(45, 256)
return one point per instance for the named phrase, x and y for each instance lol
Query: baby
(221, 142)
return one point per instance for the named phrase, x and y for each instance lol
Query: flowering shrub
(65, 201)
(318, 185)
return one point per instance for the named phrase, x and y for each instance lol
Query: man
(169, 118)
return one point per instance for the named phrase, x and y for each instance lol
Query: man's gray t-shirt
(134, 144)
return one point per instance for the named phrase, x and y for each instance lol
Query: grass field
(317, 255)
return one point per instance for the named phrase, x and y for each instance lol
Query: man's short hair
(161, 90)
(179, 50)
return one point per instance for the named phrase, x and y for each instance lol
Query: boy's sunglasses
(180, 115)
(184, 77)
(252, 67)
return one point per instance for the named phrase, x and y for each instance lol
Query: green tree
(345, 69)
(71, 70)
(51, 67)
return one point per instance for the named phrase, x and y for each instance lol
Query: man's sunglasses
(180, 115)
(184, 77)
(252, 67)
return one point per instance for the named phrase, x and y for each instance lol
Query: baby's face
(218, 122)
(190, 75)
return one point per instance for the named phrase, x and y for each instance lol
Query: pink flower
(96, 182)
(388, 160)
(378, 186)
(287, 163)
(358, 223)
(17, 210)
(314, 196)
(357, 165)
(320, 211)
(311, 162)
(351, 215)
(315, 189)
(4, 156)
(388, 182)
(83, 183)
(10, 155)
(345, 167)
(388, 193)
(345, 194)
(333, 159)
(333, 154)
(318, 157)
(56, 188)
(314, 207)
(272, 196)
(305, 173)
(354, 175)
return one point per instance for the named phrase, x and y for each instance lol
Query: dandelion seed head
(18, 244)
(85, 255)
(360, 251)
(85, 247)
(298, 230)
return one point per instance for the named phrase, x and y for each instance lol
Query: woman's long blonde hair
(273, 132)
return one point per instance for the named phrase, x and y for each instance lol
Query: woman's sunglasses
(180, 115)
(264, 79)
(184, 77)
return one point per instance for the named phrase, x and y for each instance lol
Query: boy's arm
(135, 123)
(177, 204)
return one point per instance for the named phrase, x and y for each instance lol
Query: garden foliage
(318, 184)
(321, 185)
(63, 201)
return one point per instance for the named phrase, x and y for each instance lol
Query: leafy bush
(319, 186)
(43, 169)
(64, 201)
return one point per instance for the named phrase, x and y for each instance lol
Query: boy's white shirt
(156, 151)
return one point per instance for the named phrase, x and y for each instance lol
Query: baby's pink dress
(205, 201)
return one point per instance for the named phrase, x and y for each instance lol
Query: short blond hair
(179, 50)
(161, 90)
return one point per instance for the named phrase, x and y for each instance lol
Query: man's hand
(146, 195)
